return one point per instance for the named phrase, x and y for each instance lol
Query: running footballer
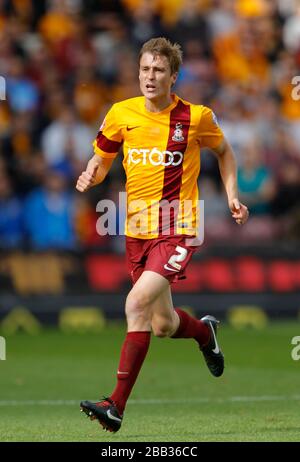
(162, 136)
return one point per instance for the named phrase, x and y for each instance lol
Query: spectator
(145, 23)
(11, 228)
(191, 25)
(240, 58)
(255, 181)
(288, 193)
(67, 142)
(22, 93)
(49, 214)
(291, 31)
(90, 96)
(217, 226)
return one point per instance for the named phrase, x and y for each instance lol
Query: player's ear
(174, 78)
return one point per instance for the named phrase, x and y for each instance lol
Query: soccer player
(161, 136)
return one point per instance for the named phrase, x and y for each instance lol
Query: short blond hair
(162, 46)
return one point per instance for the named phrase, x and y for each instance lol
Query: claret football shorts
(166, 255)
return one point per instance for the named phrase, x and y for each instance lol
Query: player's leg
(138, 308)
(164, 321)
(176, 323)
(169, 258)
(168, 321)
(150, 287)
(139, 302)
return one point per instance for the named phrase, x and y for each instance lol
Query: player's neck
(158, 105)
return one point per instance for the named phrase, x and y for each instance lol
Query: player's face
(155, 76)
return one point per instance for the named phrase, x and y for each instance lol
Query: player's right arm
(106, 147)
(95, 172)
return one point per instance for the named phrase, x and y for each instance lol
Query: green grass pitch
(175, 399)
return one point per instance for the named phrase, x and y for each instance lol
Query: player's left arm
(228, 171)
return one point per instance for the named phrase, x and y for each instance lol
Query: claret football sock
(133, 353)
(190, 327)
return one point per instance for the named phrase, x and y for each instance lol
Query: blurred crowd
(66, 61)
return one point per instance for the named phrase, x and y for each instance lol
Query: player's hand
(239, 211)
(87, 178)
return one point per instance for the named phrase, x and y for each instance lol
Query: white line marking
(231, 399)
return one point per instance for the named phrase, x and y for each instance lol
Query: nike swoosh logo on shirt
(216, 350)
(169, 269)
(131, 128)
(112, 417)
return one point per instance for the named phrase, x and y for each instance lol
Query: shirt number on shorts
(173, 261)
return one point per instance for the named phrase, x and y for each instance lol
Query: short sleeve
(209, 132)
(109, 138)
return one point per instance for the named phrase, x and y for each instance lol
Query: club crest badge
(178, 134)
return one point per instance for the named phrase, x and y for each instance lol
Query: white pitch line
(231, 399)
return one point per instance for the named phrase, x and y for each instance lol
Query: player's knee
(162, 329)
(136, 306)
